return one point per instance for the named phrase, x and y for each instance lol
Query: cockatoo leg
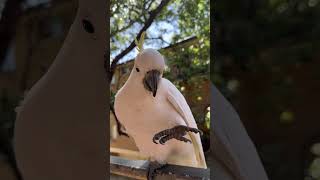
(176, 132)
(152, 168)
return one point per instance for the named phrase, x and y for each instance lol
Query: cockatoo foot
(153, 167)
(176, 132)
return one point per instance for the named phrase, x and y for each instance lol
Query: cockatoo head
(150, 64)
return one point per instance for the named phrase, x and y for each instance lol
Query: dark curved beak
(151, 80)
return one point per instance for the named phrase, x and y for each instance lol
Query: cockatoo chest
(144, 117)
(149, 116)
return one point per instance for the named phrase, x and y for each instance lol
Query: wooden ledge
(138, 169)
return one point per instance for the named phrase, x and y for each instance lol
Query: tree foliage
(178, 21)
(287, 31)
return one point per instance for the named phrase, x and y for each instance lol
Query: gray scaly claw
(176, 132)
(153, 167)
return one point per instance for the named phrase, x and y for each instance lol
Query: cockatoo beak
(151, 80)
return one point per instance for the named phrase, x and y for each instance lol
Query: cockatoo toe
(152, 168)
(176, 132)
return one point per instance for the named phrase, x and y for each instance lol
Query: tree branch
(122, 29)
(147, 24)
(119, 125)
(159, 38)
(149, 6)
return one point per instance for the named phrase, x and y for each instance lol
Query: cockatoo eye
(137, 69)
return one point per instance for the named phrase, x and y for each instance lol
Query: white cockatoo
(152, 109)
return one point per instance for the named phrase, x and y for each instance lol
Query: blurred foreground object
(235, 157)
(60, 131)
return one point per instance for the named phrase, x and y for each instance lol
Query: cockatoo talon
(154, 141)
(176, 132)
(156, 138)
(161, 135)
(152, 168)
(194, 130)
(183, 139)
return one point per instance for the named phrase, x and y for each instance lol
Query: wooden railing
(137, 169)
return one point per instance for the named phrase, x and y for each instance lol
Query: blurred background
(31, 34)
(180, 30)
(266, 63)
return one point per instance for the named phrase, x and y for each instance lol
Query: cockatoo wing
(181, 106)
